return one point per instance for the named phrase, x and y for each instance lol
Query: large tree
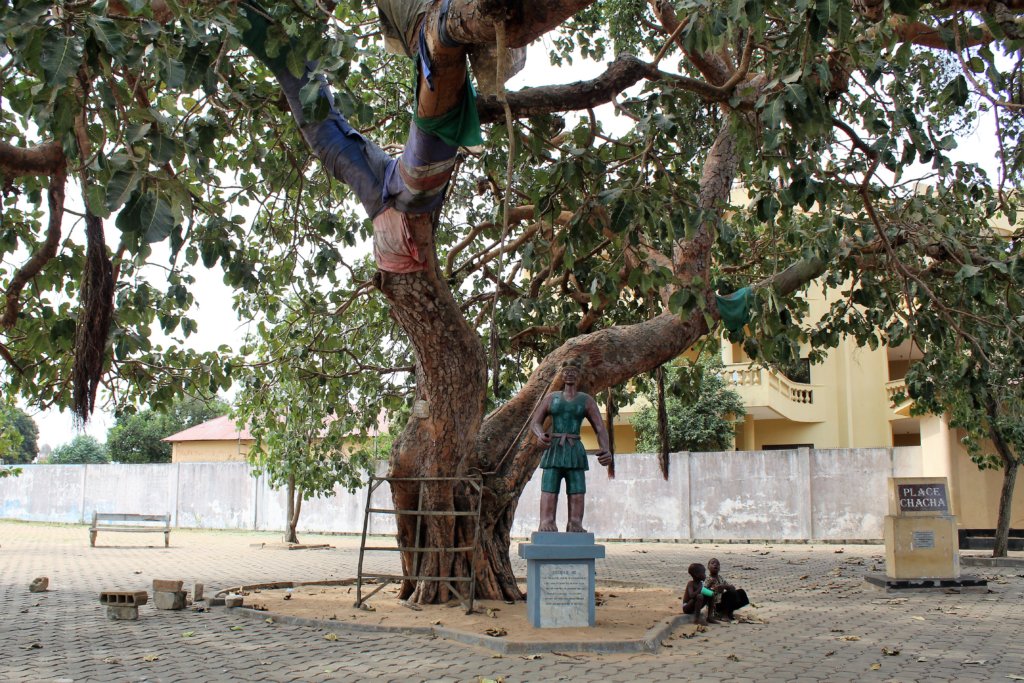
(565, 237)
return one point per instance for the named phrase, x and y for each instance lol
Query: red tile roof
(218, 429)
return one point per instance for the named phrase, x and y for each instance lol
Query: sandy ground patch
(623, 612)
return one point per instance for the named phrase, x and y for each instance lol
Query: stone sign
(929, 497)
(563, 595)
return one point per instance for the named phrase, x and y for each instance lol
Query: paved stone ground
(811, 597)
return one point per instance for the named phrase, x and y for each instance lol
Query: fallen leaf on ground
(849, 638)
(367, 607)
(492, 613)
(1015, 677)
(917, 618)
(839, 552)
(268, 663)
(890, 651)
(269, 620)
(150, 658)
(830, 653)
(330, 636)
(33, 646)
(733, 658)
(922, 659)
(411, 605)
(499, 679)
(876, 666)
(975, 661)
(111, 660)
(496, 632)
(690, 630)
(436, 622)
(531, 657)
(805, 576)
(235, 628)
(187, 634)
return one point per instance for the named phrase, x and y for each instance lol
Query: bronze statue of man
(565, 457)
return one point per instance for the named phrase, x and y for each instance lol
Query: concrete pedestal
(921, 548)
(560, 579)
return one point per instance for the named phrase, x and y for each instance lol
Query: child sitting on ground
(696, 598)
(727, 598)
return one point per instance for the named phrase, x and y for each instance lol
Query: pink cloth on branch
(393, 246)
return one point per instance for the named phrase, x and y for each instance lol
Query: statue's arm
(537, 422)
(594, 416)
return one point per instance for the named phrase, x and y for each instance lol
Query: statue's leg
(576, 488)
(550, 483)
(548, 506)
(576, 505)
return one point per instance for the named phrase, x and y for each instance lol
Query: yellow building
(218, 440)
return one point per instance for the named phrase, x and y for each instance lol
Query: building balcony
(898, 386)
(767, 395)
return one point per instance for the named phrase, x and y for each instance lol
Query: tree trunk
(294, 506)
(1005, 508)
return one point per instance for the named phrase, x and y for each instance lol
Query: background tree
(305, 440)
(21, 450)
(701, 409)
(11, 439)
(565, 237)
(82, 450)
(137, 437)
(984, 397)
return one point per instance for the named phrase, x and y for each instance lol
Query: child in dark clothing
(727, 598)
(695, 597)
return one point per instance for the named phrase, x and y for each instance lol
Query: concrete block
(215, 602)
(135, 598)
(167, 586)
(169, 599)
(39, 585)
(197, 592)
(560, 579)
(122, 612)
(233, 601)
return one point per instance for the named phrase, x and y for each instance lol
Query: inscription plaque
(564, 594)
(921, 540)
(922, 497)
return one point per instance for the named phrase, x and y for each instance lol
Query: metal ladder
(475, 483)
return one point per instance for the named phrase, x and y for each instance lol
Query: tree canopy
(700, 408)
(141, 139)
(137, 437)
(82, 450)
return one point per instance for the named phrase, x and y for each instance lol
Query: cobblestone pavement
(824, 622)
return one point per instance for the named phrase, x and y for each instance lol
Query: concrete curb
(651, 641)
(973, 561)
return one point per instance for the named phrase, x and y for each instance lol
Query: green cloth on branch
(460, 127)
(734, 308)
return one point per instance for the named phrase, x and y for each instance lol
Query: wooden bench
(116, 521)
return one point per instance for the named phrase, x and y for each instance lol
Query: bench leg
(167, 539)
(92, 538)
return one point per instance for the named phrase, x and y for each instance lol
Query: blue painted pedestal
(560, 578)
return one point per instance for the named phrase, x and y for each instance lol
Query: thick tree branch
(45, 159)
(55, 196)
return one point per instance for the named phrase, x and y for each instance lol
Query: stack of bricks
(168, 594)
(123, 604)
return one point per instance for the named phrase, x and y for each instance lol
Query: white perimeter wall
(779, 495)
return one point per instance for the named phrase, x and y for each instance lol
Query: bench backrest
(127, 518)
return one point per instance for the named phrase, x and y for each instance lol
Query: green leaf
(147, 215)
(956, 92)
(120, 187)
(60, 57)
(106, 33)
(162, 149)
